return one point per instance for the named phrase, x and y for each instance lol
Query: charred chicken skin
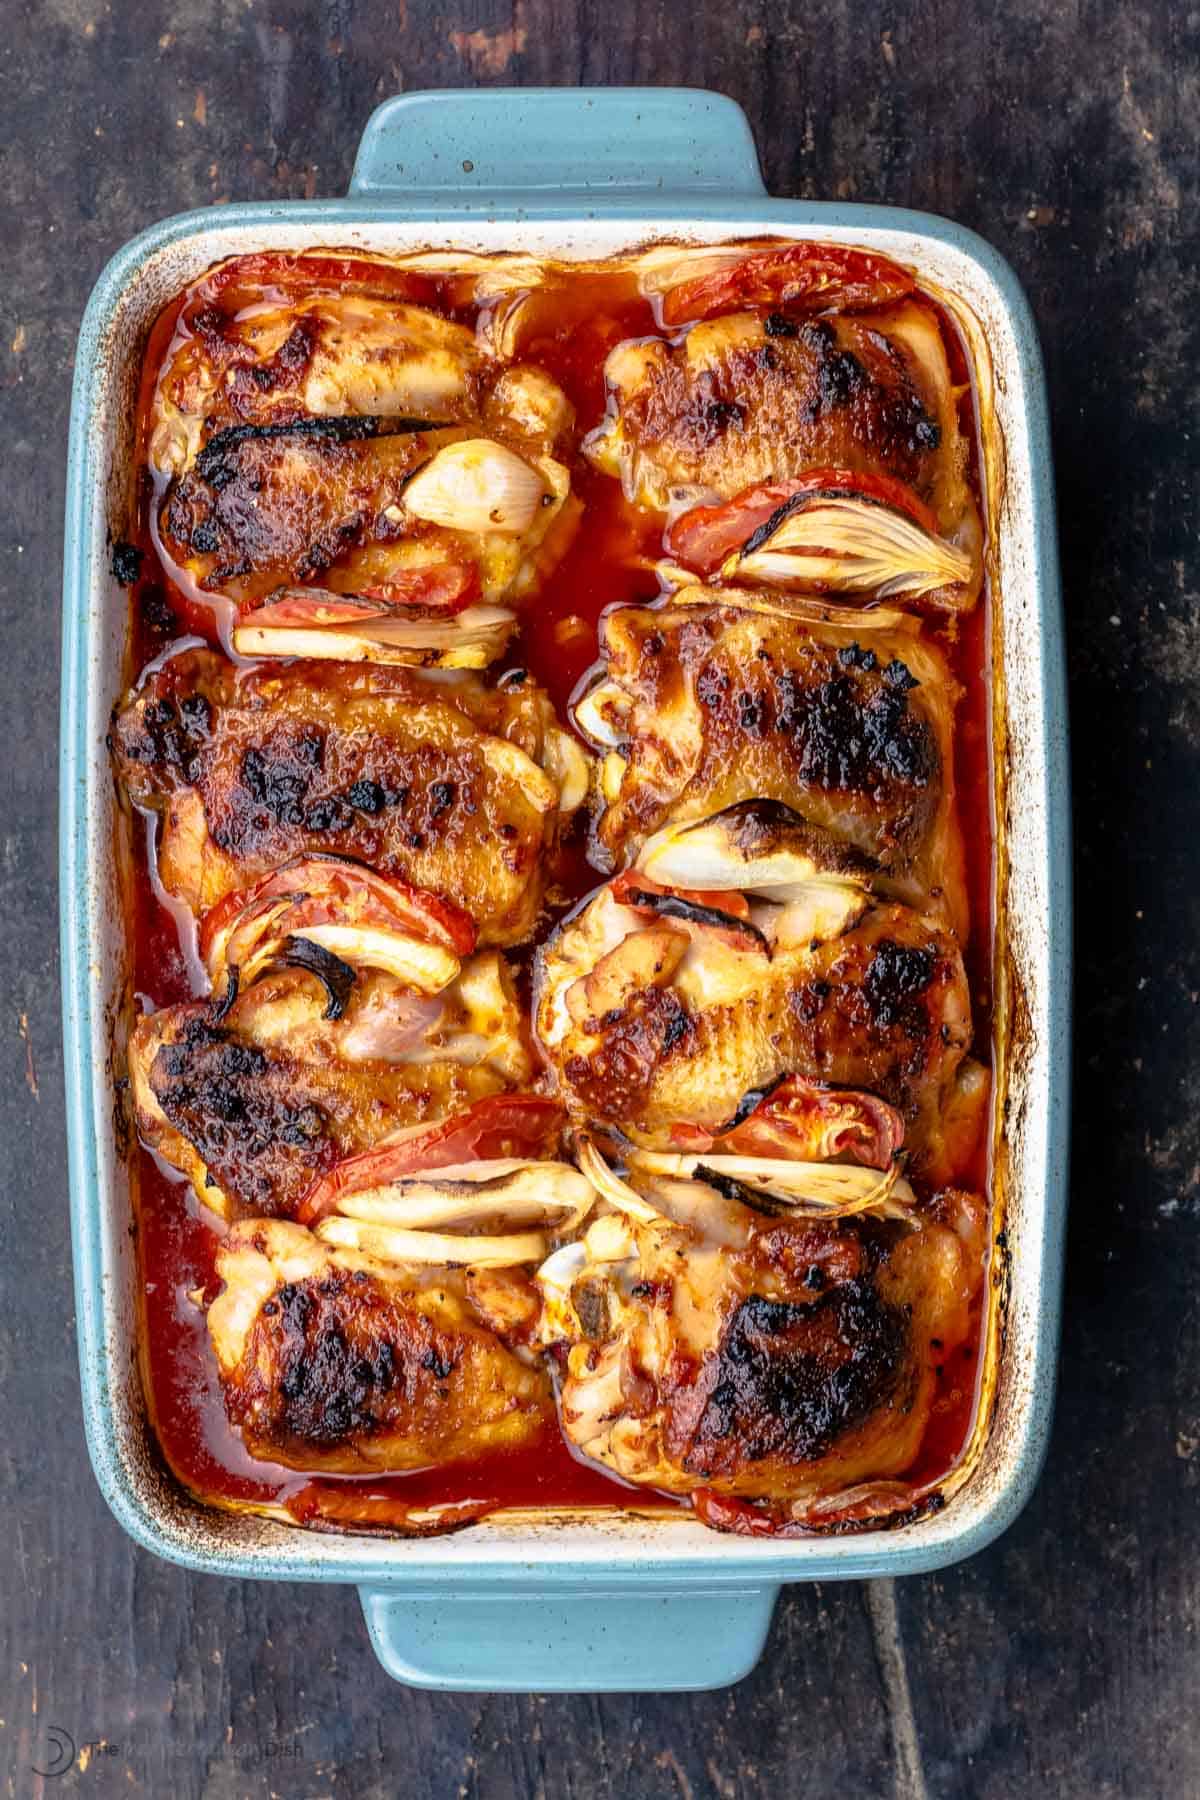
(658, 1007)
(456, 787)
(779, 1368)
(711, 701)
(333, 1360)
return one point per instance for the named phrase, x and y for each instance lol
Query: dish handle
(466, 142)
(574, 1640)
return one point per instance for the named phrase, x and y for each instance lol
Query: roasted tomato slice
(242, 279)
(724, 913)
(523, 1125)
(807, 1122)
(352, 1506)
(702, 538)
(446, 588)
(817, 277)
(322, 888)
(305, 608)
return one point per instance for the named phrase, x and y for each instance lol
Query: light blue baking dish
(571, 1601)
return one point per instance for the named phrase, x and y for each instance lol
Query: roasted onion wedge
(830, 531)
(756, 847)
(817, 1190)
(505, 1125)
(704, 537)
(402, 1221)
(809, 609)
(839, 545)
(507, 1190)
(307, 622)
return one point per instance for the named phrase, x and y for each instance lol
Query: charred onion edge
(675, 906)
(336, 977)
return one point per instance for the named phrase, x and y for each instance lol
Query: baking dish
(617, 1601)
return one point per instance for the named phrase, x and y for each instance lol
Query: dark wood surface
(1062, 1661)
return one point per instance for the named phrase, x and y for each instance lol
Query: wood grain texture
(1061, 1661)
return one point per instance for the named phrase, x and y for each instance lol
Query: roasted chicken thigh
(331, 1359)
(360, 446)
(456, 787)
(658, 1007)
(737, 1347)
(763, 395)
(713, 700)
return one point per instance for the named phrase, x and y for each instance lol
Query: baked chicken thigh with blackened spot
(347, 1010)
(758, 396)
(400, 1334)
(353, 470)
(459, 788)
(660, 1008)
(827, 734)
(332, 1359)
(762, 1343)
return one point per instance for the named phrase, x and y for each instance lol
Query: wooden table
(1064, 1660)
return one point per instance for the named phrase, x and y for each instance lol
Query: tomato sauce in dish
(611, 560)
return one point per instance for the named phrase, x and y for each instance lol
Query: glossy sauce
(611, 560)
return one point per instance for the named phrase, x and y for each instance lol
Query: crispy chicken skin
(703, 705)
(771, 1358)
(452, 785)
(762, 396)
(256, 1104)
(331, 1360)
(650, 1024)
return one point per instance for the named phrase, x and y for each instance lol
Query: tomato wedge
(818, 277)
(297, 274)
(351, 1506)
(806, 1122)
(447, 587)
(440, 589)
(702, 538)
(524, 1125)
(308, 608)
(632, 881)
(324, 886)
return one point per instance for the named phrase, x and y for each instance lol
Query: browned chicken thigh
(333, 1360)
(348, 1013)
(457, 787)
(735, 1346)
(718, 699)
(256, 1104)
(658, 1008)
(364, 447)
(759, 396)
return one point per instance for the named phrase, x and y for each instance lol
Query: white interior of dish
(581, 1541)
